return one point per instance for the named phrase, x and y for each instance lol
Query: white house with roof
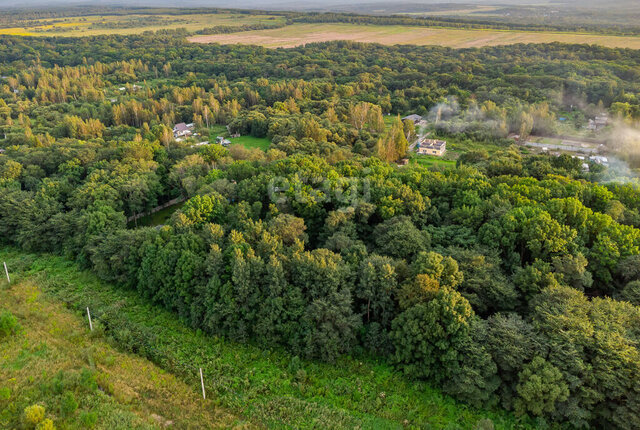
(432, 147)
(182, 130)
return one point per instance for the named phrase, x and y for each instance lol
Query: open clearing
(300, 34)
(133, 24)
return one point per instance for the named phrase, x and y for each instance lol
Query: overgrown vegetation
(270, 387)
(508, 280)
(55, 373)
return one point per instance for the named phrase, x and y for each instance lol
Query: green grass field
(250, 142)
(82, 381)
(132, 24)
(299, 34)
(268, 387)
(432, 161)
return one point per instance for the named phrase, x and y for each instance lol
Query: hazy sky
(249, 3)
(315, 4)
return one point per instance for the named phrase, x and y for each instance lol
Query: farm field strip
(300, 34)
(110, 24)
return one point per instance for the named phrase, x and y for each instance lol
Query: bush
(33, 415)
(484, 424)
(88, 380)
(89, 419)
(69, 404)
(46, 425)
(8, 324)
(5, 393)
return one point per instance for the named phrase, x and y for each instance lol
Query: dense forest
(510, 280)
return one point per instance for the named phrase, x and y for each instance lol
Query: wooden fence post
(89, 316)
(7, 272)
(202, 383)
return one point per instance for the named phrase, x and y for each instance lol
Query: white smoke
(444, 111)
(448, 116)
(623, 141)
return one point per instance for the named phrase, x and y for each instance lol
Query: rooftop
(413, 117)
(432, 143)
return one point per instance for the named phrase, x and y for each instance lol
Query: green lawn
(429, 161)
(268, 386)
(217, 130)
(389, 120)
(246, 141)
(251, 142)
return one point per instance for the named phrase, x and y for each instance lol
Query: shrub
(89, 419)
(33, 415)
(88, 380)
(46, 425)
(484, 424)
(5, 393)
(8, 323)
(69, 404)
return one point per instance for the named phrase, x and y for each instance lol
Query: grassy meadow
(251, 142)
(267, 387)
(92, 25)
(52, 359)
(300, 34)
(248, 142)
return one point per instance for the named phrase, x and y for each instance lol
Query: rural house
(432, 147)
(182, 130)
(413, 117)
(600, 122)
